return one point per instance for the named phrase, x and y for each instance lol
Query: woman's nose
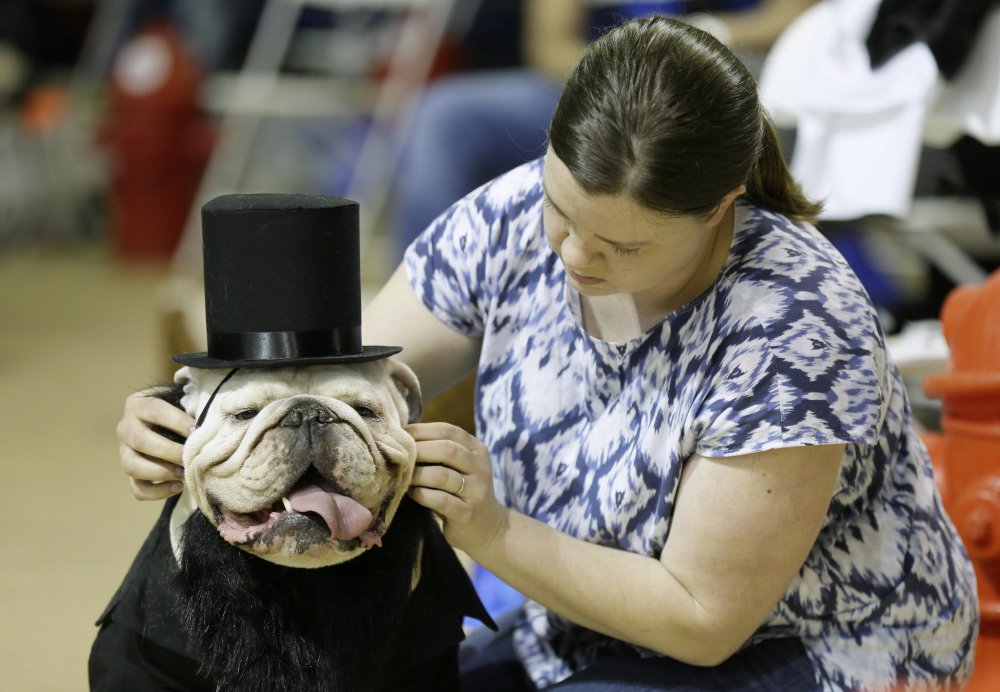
(575, 252)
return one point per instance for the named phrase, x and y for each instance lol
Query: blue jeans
(488, 664)
(465, 130)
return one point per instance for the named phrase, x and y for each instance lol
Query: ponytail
(771, 184)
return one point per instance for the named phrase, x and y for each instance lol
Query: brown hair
(666, 114)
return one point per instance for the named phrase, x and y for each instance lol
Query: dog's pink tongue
(346, 518)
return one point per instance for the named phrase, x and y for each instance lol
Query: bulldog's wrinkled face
(304, 467)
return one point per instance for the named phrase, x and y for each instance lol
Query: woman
(693, 457)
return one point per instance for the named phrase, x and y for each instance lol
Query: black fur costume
(227, 620)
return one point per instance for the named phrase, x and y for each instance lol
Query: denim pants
(489, 664)
(466, 129)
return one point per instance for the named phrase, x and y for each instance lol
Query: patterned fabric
(784, 349)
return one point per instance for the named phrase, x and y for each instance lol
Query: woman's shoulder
(790, 264)
(482, 222)
(491, 215)
(791, 325)
(474, 248)
(768, 240)
(504, 215)
(790, 288)
(517, 189)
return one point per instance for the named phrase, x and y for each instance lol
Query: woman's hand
(453, 478)
(151, 461)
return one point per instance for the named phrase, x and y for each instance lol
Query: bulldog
(303, 467)
(293, 559)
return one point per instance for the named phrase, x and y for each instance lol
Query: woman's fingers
(146, 468)
(442, 478)
(451, 508)
(144, 490)
(135, 432)
(446, 453)
(136, 436)
(149, 408)
(454, 496)
(151, 461)
(448, 445)
(150, 479)
(441, 431)
(447, 477)
(452, 477)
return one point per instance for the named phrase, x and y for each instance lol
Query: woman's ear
(724, 204)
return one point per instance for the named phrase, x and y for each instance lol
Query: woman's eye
(246, 414)
(619, 250)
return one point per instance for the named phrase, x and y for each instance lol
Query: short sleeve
(457, 264)
(446, 265)
(804, 378)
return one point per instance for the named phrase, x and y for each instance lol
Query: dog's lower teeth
(286, 503)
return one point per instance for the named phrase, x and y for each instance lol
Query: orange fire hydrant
(160, 141)
(967, 453)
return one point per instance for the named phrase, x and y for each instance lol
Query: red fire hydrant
(159, 139)
(967, 453)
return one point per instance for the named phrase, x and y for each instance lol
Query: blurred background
(119, 118)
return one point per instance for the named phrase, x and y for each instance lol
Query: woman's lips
(584, 280)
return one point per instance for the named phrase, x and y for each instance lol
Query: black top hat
(282, 282)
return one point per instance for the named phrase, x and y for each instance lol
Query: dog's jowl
(293, 560)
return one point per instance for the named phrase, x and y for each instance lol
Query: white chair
(860, 131)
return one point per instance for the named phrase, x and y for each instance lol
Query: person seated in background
(467, 128)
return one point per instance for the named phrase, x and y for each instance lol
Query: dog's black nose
(292, 419)
(312, 413)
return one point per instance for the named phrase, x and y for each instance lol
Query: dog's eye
(246, 414)
(365, 412)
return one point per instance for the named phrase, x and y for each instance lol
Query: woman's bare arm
(741, 529)
(437, 354)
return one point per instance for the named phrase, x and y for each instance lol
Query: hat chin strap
(204, 411)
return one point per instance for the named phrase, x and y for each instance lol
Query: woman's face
(609, 244)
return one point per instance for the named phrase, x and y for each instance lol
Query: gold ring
(458, 493)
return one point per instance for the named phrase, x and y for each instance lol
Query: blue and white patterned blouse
(784, 349)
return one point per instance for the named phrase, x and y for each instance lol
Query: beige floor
(78, 332)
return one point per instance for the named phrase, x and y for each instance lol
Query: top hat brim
(203, 360)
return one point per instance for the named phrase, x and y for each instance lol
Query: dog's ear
(186, 380)
(407, 385)
(198, 385)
